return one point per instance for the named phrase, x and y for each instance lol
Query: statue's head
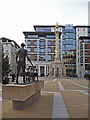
(22, 45)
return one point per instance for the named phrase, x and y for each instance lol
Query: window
(42, 57)
(81, 60)
(32, 36)
(29, 50)
(6, 51)
(81, 53)
(49, 43)
(35, 49)
(54, 43)
(59, 49)
(42, 43)
(35, 42)
(86, 59)
(59, 43)
(86, 46)
(42, 50)
(69, 41)
(69, 47)
(83, 29)
(51, 36)
(86, 52)
(49, 49)
(87, 66)
(28, 42)
(35, 57)
(47, 29)
(49, 57)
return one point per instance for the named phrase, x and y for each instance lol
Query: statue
(56, 25)
(21, 63)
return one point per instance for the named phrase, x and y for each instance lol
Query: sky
(17, 16)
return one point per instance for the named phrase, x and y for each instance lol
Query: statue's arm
(29, 59)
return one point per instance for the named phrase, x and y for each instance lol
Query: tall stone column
(61, 50)
(57, 66)
(57, 46)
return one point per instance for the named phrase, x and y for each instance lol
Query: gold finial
(56, 25)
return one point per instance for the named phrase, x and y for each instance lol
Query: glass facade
(69, 49)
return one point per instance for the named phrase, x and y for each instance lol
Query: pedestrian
(22, 54)
(13, 77)
(5, 80)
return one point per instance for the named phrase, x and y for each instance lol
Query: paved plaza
(60, 98)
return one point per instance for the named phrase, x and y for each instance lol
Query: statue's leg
(18, 71)
(23, 69)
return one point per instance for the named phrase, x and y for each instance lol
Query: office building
(80, 31)
(41, 47)
(9, 49)
(84, 55)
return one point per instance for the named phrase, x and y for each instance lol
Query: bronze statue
(21, 63)
(57, 25)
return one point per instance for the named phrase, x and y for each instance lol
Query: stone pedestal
(22, 95)
(57, 69)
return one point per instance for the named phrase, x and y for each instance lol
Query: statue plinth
(22, 95)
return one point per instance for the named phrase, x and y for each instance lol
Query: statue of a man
(57, 25)
(21, 61)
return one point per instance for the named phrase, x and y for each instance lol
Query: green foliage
(5, 65)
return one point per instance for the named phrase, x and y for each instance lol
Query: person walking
(13, 77)
(21, 56)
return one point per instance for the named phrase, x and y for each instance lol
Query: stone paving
(60, 98)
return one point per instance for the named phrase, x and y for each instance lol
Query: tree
(5, 65)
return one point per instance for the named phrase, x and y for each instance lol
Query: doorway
(42, 70)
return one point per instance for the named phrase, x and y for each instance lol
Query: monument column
(57, 67)
(57, 46)
(61, 50)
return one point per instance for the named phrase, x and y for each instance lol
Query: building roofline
(38, 33)
(82, 26)
(10, 40)
(46, 26)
